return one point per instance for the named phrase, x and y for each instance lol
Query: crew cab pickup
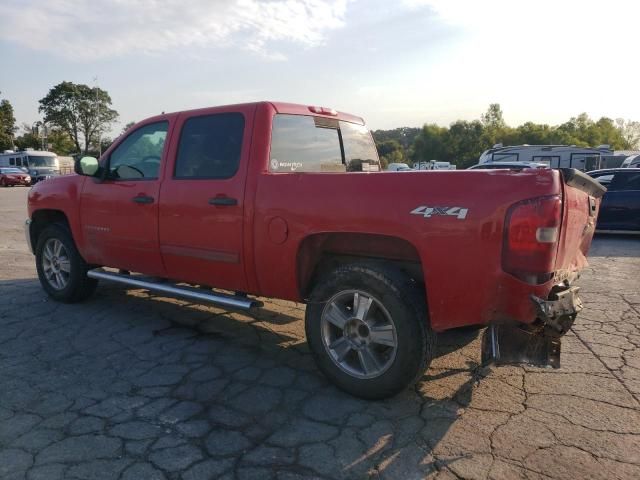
(289, 201)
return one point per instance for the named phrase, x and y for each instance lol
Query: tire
(2, 183)
(55, 250)
(396, 333)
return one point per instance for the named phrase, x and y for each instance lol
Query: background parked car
(632, 161)
(398, 167)
(620, 208)
(10, 177)
(509, 165)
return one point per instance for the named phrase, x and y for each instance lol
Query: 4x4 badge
(427, 212)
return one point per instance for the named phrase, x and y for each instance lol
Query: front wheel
(367, 328)
(61, 269)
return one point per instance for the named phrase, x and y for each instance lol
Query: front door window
(138, 156)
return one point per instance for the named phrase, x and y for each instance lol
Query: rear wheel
(61, 269)
(368, 330)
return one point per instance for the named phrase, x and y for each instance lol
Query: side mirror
(87, 166)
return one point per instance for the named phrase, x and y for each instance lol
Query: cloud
(82, 30)
(495, 16)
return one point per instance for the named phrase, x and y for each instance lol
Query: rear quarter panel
(461, 258)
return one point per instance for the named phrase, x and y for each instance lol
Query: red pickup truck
(288, 201)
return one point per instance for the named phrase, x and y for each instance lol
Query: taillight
(531, 235)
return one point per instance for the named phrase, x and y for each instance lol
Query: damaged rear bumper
(537, 343)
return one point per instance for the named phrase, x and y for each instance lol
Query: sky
(395, 63)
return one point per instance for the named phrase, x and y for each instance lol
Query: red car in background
(10, 177)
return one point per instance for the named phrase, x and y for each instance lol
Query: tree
(95, 149)
(403, 136)
(630, 132)
(493, 117)
(80, 111)
(7, 125)
(28, 139)
(583, 131)
(465, 143)
(430, 144)
(127, 127)
(390, 151)
(495, 128)
(60, 142)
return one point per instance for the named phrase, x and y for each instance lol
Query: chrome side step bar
(235, 302)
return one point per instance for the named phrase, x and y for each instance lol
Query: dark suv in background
(620, 209)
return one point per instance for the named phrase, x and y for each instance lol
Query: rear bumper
(537, 343)
(558, 313)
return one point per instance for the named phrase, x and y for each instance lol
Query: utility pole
(95, 81)
(35, 128)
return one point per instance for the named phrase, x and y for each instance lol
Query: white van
(39, 164)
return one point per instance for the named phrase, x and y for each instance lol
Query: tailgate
(581, 200)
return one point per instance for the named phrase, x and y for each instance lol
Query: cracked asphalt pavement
(136, 386)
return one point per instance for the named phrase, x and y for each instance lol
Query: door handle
(223, 201)
(143, 199)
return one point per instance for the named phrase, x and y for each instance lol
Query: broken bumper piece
(539, 343)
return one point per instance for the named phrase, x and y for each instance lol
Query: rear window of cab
(306, 143)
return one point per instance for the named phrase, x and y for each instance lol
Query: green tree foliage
(583, 131)
(57, 141)
(95, 149)
(462, 142)
(60, 142)
(79, 110)
(28, 138)
(430, 144)
(630, 132)
(390, 151)
(127, 127)
(494, 127)
(403, 136)
(7, 125)
(465, 142)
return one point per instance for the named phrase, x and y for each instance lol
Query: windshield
(10, 170)
(41, 161)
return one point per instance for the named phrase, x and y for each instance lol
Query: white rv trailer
(555, 156)
(40, 164)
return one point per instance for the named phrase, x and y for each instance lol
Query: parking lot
(136, 386)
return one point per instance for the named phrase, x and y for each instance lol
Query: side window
(210, 146)
(551, 160)
(12, 161)
(304, 143)
(505, 157)
(585, 161)
(626, 181)
(604, 179)
(359, 149)
(138, 156)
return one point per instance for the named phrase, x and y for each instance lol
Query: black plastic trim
(576, 179)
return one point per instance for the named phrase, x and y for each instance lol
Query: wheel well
(321, 253)
(40, 219)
